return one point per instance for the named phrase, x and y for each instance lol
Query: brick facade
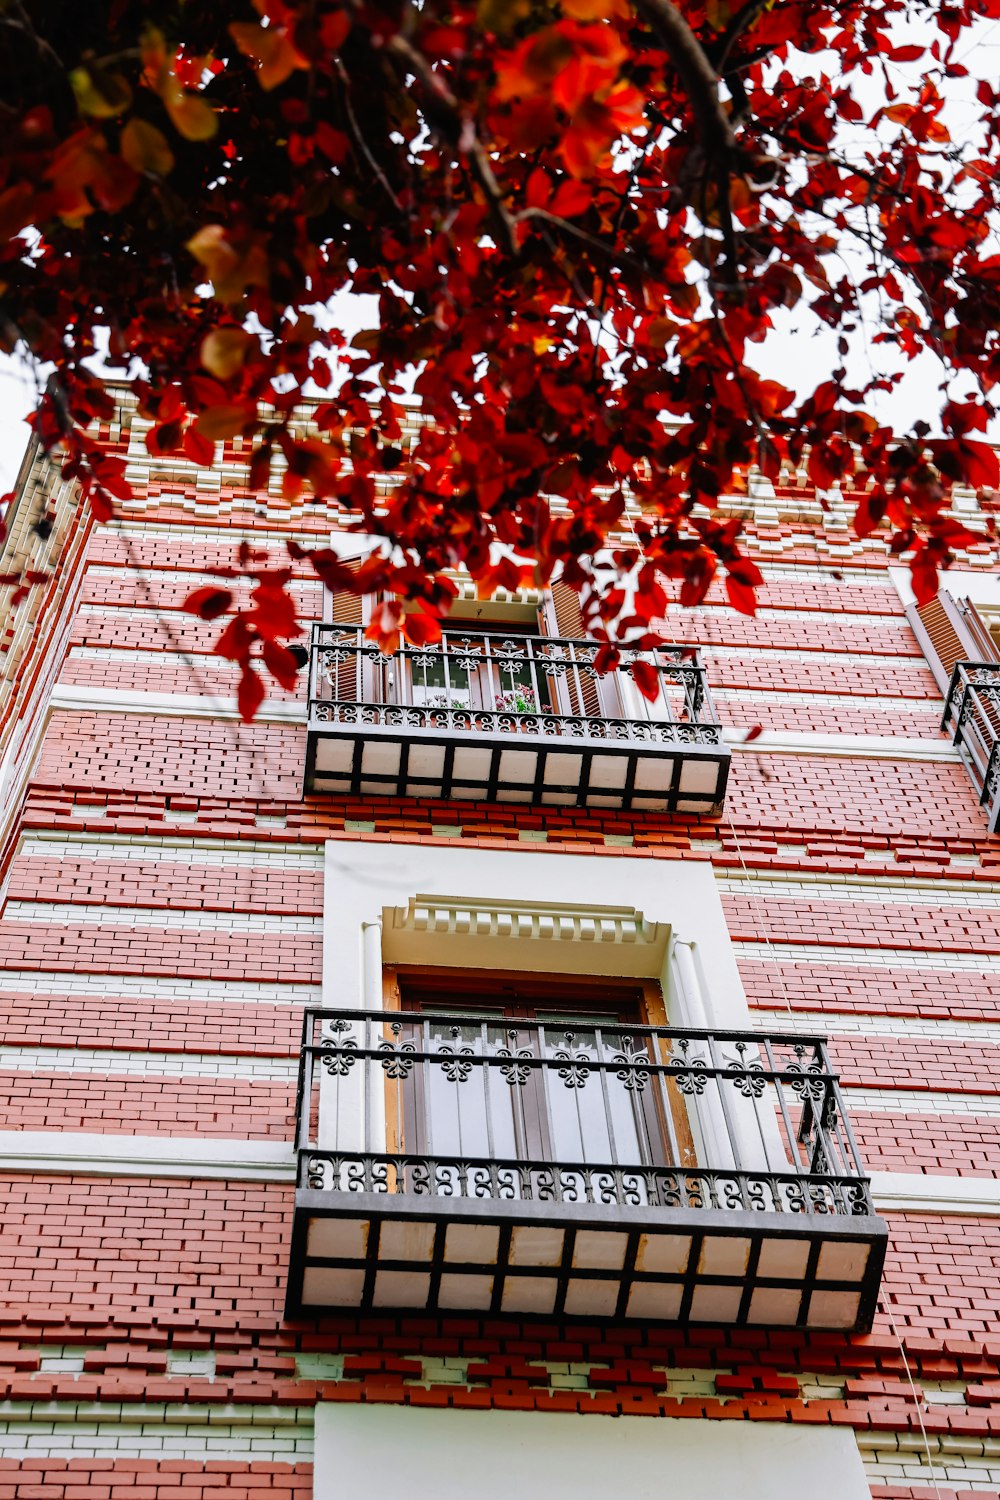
(163, 930)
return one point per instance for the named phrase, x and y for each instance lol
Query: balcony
(458, 1163)
(972, 719)
(510, 718)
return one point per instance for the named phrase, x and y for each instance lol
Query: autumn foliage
(580, 218)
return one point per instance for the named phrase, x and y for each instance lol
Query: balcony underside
(383, 1251)
(370, 750)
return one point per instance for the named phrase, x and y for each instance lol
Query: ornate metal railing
(506, 684)
(972, 719)
(455, 1106)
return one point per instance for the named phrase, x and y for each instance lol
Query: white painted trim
(857, 746)
(901, 1192)
(982, 587)
(60, 1154)
(84, 1154)
(102, 700)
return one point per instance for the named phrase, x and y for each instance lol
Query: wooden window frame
(643, 997)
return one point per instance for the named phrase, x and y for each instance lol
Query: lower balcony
(451, 1164)
(517, 718)
(972, 719)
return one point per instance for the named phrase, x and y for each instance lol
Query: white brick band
(820, 955)
(114, 1063)
(247, 1434)
(165, 918)
(160, 991)
(244, 856)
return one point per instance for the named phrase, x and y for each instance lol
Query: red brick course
(35, 1019)
(204, 1108)
(151, 1479)
(173, 887)
(95, 949)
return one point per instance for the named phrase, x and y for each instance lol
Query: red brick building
(578, 979)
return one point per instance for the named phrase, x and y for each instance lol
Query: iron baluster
(791, 1134)
(487, 1095)
(608, 1113)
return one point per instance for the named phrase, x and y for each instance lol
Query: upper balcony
(972, 718)
(499, 716)
(577, 1167)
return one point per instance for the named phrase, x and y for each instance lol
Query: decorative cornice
(453, 915)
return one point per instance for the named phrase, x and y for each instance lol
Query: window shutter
(577, 692)
(947, 633)
(341, 607)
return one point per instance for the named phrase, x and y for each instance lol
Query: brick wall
(178, 1014)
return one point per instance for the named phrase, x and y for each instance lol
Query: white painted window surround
(596, 914)
(360, 1450)
(620, 916)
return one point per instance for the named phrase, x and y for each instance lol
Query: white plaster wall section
(545, 1455)
(961, 583)
(364, 879)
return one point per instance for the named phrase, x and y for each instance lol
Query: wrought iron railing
(477, 1107)
(507, 684)
(972, 719)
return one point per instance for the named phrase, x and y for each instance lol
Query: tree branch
(446, 108)
(696, 72)
(738, 24)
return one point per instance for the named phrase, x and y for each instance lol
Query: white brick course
(245, 1434)
(245, 855)
(158, 990)
(817, 955)
(122, 1064)
(879, 890)
(908, 1028)
(74, 915)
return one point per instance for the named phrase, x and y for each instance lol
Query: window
(520, 1110)
(495, 1116)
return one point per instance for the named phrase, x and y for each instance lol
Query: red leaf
(741, 595)
(100, 503)
(646, 679)
(282, 664)
(421, 629)
(250, 694)
(198, 448)
(924, 576)
(208, 603)
(752, 734)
